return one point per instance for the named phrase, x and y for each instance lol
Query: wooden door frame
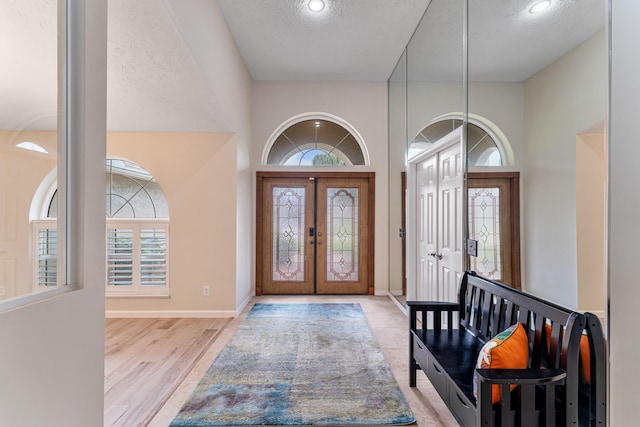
(514, 179)
(370, 240)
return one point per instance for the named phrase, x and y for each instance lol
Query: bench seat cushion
(457, 353)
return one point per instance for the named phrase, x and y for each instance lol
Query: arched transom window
(485, 146)
(137, 239)
(316, 142)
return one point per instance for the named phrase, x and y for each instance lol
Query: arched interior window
(137, 222)
(315, 142)
(483, 150)
(131, 192)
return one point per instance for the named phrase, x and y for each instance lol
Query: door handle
(319, 242)
(435, 255)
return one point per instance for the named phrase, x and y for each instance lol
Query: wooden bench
(446, 338)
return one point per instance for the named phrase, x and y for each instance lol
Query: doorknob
(319, 242)
(435, 255)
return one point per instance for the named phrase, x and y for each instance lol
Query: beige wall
(198, 175)
(363, 106)
(591, 182)
(205, 31)
(197, 172)
(563, 100)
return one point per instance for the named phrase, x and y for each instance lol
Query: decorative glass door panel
(312, 236)
(484, 227)
(494, 215)
(342, 234)
(342, 219)
(288, 234)
(289, 253)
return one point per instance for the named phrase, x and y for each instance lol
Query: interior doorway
(314, 233)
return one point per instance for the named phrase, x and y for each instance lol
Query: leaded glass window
(342, 234)
(137, 240)
(288, 234)
(482, 147)
(484, 227)
(316, 142)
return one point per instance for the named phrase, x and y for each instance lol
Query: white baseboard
(152, 314)
(243, 305)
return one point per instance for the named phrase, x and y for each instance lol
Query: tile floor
(390, 326)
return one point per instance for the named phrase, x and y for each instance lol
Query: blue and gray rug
(299, 364)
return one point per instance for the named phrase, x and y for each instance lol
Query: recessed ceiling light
(316, 5)
(540, 6)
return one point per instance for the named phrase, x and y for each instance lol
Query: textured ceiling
(349, 40)
(154, 83)
(505, 41)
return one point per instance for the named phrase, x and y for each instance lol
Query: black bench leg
(413, 367)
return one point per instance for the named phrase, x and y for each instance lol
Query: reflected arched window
(316, 142)
(137, 223)
(485, 147)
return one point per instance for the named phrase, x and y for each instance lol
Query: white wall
(363, 106)
(52, 355)
(624, 211)
(561, 101)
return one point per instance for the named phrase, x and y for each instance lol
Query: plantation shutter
(119, 257)
(47, 247)
(153, 257)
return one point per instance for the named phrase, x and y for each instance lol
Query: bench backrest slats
(487, 304)
(487, 308)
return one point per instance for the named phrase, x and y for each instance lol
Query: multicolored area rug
(299, 364)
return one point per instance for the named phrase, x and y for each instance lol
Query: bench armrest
(435, 307)
(520, 376)
(528, 380)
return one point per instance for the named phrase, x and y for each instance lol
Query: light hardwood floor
(389, 324)
(146, 360)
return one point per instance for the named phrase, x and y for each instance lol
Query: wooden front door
(314, 235)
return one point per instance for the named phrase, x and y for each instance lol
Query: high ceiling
(154, 83)
(348, 40)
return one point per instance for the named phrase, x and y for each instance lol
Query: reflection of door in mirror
(434, 236)
(494, 222)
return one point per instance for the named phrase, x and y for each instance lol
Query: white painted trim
(165, 314)
(244, 304)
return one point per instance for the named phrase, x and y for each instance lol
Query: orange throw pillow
(507, 350)
(585, 353)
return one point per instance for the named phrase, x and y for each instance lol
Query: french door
(314, 234)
